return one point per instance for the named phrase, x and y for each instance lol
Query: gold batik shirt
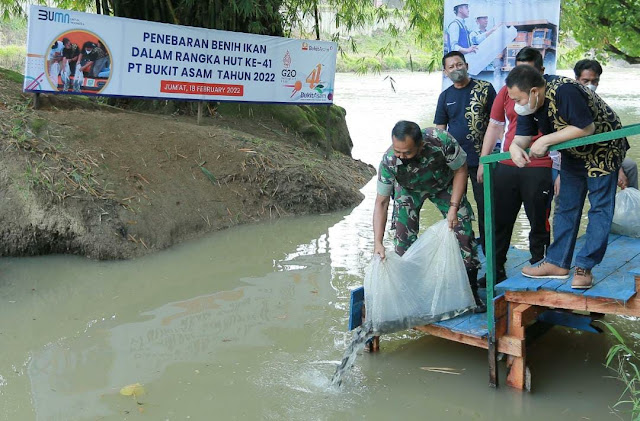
(600, 158)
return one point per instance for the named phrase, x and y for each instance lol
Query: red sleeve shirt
(503, 112)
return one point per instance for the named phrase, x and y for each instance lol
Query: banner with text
(74, 52)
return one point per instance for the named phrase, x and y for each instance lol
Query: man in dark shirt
(463, 110)
(86, 59)
(588, 73)
(70, 54)
(562, 109)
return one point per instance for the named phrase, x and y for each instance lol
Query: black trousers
(478, 195)
(516, 186)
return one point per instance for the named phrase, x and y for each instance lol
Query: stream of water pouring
(361, 335)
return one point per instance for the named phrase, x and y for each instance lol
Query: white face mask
(592, 87)
(526, 109)
(88, 51)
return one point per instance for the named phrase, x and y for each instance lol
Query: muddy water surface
(250, 323)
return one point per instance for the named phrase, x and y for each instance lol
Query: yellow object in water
(135, 389)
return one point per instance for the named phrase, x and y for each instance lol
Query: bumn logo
(53, 16)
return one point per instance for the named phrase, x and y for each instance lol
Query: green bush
(12, 57)
(394, 63)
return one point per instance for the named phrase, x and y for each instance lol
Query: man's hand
(378, 249)
(556, 186)
(623, 181)
(480, 174)
(469, 50)
(539, 148)
(452, 217)
(518, 155)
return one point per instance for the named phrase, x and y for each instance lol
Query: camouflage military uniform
(429, 175)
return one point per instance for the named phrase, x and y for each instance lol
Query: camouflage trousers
(406, 216)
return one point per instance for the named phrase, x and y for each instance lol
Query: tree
(605, 26)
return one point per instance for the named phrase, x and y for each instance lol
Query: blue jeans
(566, 220)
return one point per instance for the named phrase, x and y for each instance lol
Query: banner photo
(491, 32)
(83, 53)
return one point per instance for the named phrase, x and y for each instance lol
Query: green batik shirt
(431, 170)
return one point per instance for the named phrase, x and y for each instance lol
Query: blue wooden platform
(470, 324)
(613, 278)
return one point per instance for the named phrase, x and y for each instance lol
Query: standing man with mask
(588, 73)
(515, 186)
(428, 165)
(562, 109)
(463, 110)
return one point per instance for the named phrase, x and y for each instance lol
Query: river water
(250, 323)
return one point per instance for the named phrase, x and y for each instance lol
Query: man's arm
(458, 190)
(491, 136)
(441, 126)
(517, 150)
(541, 145)
(380, 210)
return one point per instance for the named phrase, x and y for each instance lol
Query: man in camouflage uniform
(420, 166)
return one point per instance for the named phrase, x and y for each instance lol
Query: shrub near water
(625, 362)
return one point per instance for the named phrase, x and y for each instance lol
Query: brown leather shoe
(582, 279)
(545, 270)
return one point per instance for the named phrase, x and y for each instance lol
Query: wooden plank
(519, 282)
(600, 305)
(501, 326)
(445, 333)
(515, 258)
(516, 375)
(576, 302)
(500, 306)
(509, 346)
(475, 325)
(619, 253)
(548, 299)
(520, 316)
(554, 284)
(356, 301)
(619, 286)
(451, 323)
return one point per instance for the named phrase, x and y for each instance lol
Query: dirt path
(79, 177)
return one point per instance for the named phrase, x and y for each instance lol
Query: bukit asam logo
(316, 88)
(311, 47)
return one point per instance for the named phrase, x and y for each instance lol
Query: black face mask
(414, 160)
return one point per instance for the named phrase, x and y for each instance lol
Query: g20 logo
(288, 73)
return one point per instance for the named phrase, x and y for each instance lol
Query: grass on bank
(626, 364)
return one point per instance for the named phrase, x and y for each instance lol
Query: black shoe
(480, 306)
(482, 282)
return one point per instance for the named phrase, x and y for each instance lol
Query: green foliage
(12, 57)
(605, 27)
(625, 362)
(11, 75)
